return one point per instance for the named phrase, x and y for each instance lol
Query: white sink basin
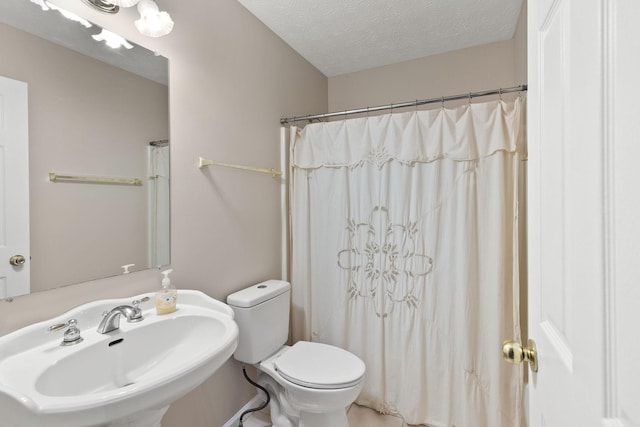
(125, 377)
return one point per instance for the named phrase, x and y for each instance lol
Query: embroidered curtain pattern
(404, 252)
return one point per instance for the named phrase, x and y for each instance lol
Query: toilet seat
(321, 366)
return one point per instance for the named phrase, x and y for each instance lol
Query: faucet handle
(58, 326)
(137, 312)
(137, 302)
(71, 335)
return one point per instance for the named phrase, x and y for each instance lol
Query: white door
(14, 188)
(584, 210)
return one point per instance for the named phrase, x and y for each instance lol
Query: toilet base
(284, 415)
(293, 405)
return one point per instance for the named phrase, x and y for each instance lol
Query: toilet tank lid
(258, 293)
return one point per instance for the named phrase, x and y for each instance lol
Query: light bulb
(153, 22)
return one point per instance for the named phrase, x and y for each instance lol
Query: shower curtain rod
(416, 103)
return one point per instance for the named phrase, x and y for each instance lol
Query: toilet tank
(262, 314)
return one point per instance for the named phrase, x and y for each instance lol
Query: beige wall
(520, 40)
(489, 66)
(467, 70)
(231, 80)
(478, 68)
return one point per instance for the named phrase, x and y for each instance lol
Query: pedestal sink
(127, 377)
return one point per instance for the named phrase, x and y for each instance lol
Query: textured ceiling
(344, 36)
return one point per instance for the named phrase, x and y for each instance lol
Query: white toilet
(310, 384)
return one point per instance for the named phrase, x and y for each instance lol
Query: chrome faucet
(111, 320)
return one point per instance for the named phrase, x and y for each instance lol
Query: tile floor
(359, 416)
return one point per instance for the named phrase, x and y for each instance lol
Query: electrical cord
(259, 408)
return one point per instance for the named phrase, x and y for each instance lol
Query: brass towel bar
(53, 177)
(206, 162)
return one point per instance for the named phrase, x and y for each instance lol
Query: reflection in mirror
(93, 111)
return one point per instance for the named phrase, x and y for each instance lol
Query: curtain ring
(367, 111)
(469, 98)
(391, 108)
(443, 102)
(500, 92)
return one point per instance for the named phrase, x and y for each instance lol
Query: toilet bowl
(310, 384)
(318, 381)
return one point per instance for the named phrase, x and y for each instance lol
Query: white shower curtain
(404, 251)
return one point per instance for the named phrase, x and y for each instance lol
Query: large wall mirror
(96, 112)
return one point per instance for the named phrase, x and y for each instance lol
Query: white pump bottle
(167, 297)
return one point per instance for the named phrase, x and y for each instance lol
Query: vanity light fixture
(152, 22)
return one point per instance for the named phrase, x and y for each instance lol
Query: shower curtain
(404, 252)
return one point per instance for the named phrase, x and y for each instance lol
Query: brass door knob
(514, 352)
(17, 260)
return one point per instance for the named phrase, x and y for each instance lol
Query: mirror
(93, 111)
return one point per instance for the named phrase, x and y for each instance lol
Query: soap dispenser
(167, 296)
